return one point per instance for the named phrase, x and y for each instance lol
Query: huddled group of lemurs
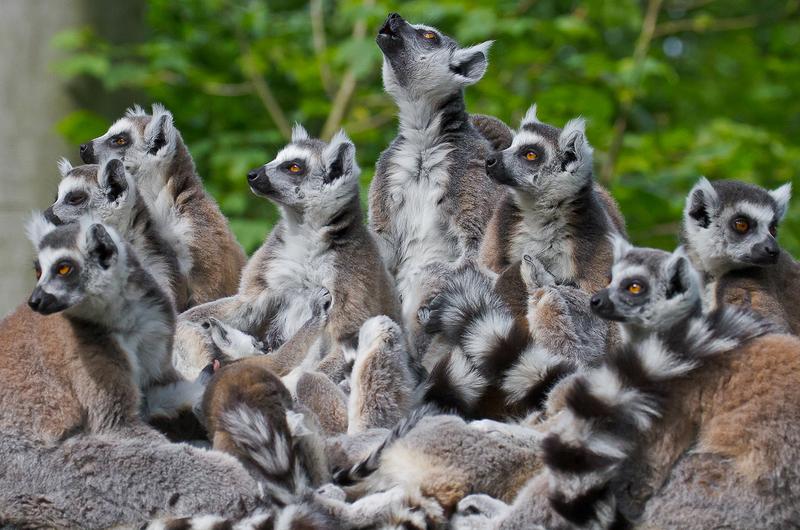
(487, 351)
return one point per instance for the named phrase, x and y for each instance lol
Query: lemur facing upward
(555, 212)
(110, 195)
(91, 351)
(729, 230)
(430, 199)
(159, 162)
(319, 248)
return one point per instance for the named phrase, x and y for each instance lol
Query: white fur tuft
(299, 133)
(782, 196)
(530, 117)
(620, 245)
(64, 166)
(37, 227)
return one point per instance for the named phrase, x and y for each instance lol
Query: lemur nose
(491, 160)
(596, 301)
(84, 147)
(252, 175)
(393, 16)
(771, 250)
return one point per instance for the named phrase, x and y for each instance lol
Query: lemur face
(102, 191)
(730, 225)
(421, 62)
(138, 139)
(76, 264)
(309, 174)
(543, 161)
(649, 288)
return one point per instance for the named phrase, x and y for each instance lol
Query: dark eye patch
(76, 198)
(537, 150)
(422, 32)
(120, 140)
(288, 166)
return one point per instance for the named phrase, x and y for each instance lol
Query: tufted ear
(530, 117)
(782, 196)
(113, 179)
(299, 133)
(574, 146)
(620, 245)
(471, 63)
(160, 135)
(682, 278)
(37, 227)
(702, 203)
(64, 166)
(100, 245)
(339, 158)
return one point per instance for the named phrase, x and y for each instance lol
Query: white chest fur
(296, 272)
(417, 179)
(542, 234)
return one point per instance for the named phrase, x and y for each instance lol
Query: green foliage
(712, 90)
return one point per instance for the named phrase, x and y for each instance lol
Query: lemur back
(162, 167)
(429, 199)
(730, 230)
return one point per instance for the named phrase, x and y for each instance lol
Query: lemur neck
(447, 115)
(571, 210)
(330, 225)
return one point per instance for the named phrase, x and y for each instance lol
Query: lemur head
(80, 267)
(420, 62)
(543, 161)
(730, 225)
(106, 192)
(308, 178)
(649, 289)
(144, 142)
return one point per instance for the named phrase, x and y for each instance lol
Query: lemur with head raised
(156, 157)
(555, 212)
(110, 195)
(430, 198)
(691, 424)
(319, 249)
(730, 230)
(91, 351)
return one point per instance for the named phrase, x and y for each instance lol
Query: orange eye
(38, 270)
(64, 269)
(531, 155)
(295, 168)
(741, 225)
(429, 35)
(635, 288)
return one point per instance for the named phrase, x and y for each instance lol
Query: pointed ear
(339, 158)
(575, 147)
(64, 167)
(530, 117)
(160, 134)
(37, 227)
(681, 276)
(471, 63)
(620, 245)
(299, 133)
(100, 245)
(782, 196)
(113, 180)
(701, 204)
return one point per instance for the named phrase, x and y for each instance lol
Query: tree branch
(264, 92)
(639, 56)
(347, 87)
(699, 25)
(320, 44)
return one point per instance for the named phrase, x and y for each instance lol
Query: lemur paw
(321, 303)
(376, 331)
(418, 512)
(534, 273)
(332, 491)
(481, 505)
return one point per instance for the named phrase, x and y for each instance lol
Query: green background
(671, 89)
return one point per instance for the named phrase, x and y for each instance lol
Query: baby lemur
(730, 230)
(158, 160)
(91, 351)
(109, 194)
(320, 248)
(430, 199)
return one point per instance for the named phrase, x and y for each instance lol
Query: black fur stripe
(506, 351)
(443, 392)
(537, 395)
(616, 419)
(566, 458)
(582, 508)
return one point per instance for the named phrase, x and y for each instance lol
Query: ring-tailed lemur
(498, 367)
(107, 193)
(91, 351)
(730, 229)
(158, 160)
(430, 199)
(320, 245)
(555, 211)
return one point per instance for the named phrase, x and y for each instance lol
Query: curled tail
(498, 134)
(370, 464)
